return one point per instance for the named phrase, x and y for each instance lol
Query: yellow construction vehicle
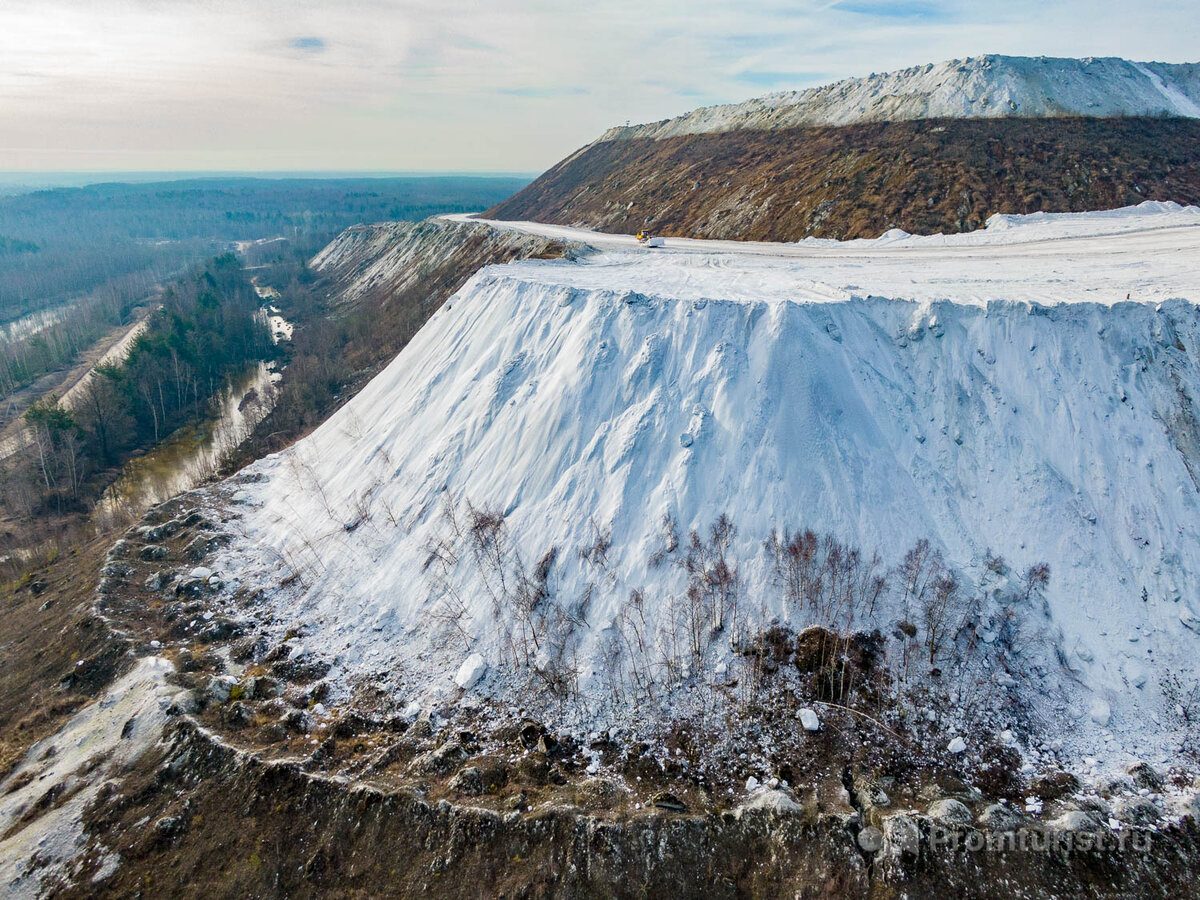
(646, 239)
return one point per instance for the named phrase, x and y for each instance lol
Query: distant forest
(208, 327)
(64, 244)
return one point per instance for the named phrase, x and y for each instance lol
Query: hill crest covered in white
(533, 462)
(981, 87)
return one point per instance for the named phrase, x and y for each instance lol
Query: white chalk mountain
(978, 87)
(988, 392)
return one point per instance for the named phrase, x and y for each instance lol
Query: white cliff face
(381, 260)
(974, 88)
(987, 392)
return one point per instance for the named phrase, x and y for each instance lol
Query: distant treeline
(209, 328)
(61, 244)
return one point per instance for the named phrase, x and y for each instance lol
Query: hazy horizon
(17, 182)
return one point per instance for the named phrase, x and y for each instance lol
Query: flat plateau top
(1148, 254)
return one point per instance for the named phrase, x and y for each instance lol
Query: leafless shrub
(994, 564)
(826, 581)
(1036, 578)
(920, 566)
(712, 591)
(670, 534)
(939, 606)
(596, 552)
(305, 474)
(632, 628)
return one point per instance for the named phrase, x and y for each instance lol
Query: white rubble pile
(992, 393)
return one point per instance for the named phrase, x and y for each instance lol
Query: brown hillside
(860, 180)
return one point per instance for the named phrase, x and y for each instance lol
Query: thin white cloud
(461, 84)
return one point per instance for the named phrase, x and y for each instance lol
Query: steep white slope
(384, 260)
(973, 88)
(588, 400)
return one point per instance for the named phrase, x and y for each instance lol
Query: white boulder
(471, 670)
(809, 720)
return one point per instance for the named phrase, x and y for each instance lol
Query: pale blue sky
(463, 85)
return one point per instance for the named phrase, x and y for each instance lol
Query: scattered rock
(1054, 785)
(468, 782)
(957, 745)
(1138, 811)
(1146, 776)
(470, 672)
(1075, 820)
(1001, 818)
(435, 762)
(152, 552)
(950, 812)
(774, 801)
(1100, 712)
(808, 718)
(170, 827)
(901, 836)
(668, 801)
(220, 687)
(238, 715)
(870, 839)
(598, 793)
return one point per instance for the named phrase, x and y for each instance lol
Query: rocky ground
(263, 786)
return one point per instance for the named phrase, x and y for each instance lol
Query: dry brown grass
(860, 180)
(47, 630)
